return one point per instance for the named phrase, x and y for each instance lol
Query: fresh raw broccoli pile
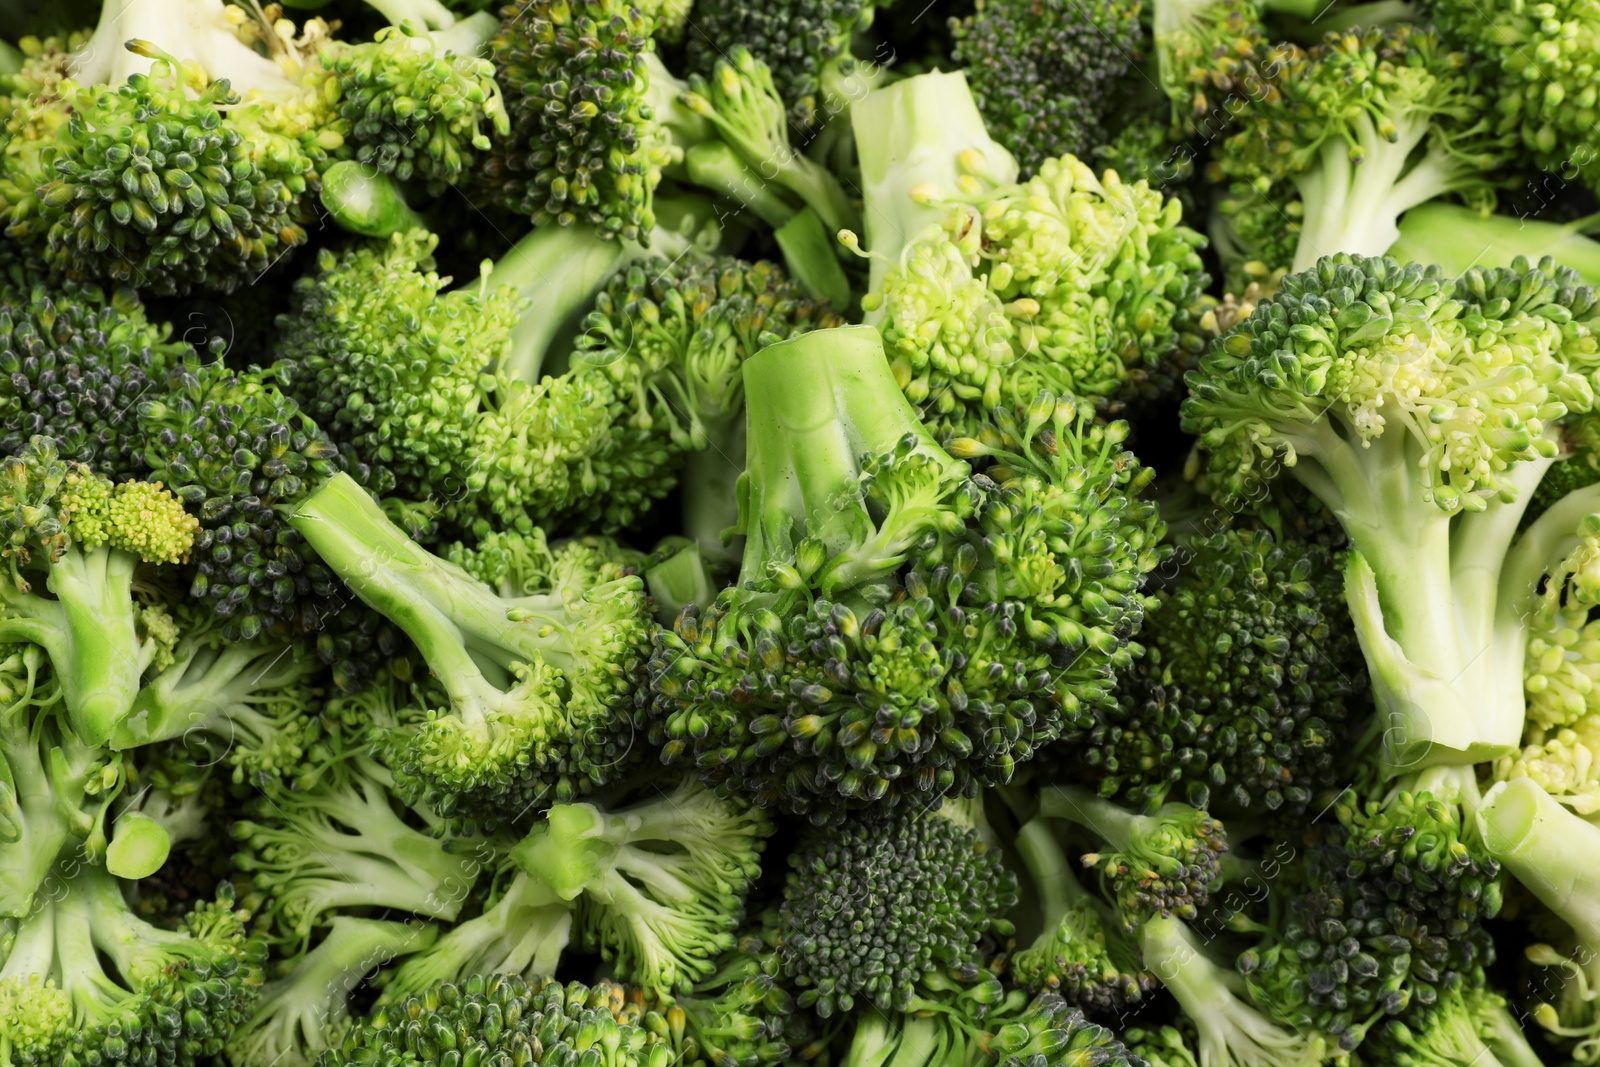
(693, 533)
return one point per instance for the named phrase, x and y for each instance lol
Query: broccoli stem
(426, 14)
(91, 632)
(815, 405)
(468, 36)
(881, 1040)
(711, 495)
(1050, 871)
(1457, 238)
(678, 581)
(924, 132)
(210, 688)
(811, 254)
(715, 166)
(1551, 851)
(366, 202)
(558, 269)
(1119, 827)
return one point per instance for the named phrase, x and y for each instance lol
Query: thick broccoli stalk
(308, 1009)
(522, 932)
(916, 136)
(84, 537)
(1457, 239)
(1081, 952)
(1551, 851)
(343, 844)
(832, 678)
(1372, 123)
(845, 933)
(94, 983)
(1423, 415)
(1157, 865)
(662, 882)
(539, 685)
(51, 784)
(502, 1018)
(1231, 1033)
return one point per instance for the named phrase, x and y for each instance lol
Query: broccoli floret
(871, 907)
(1387, 917)
(86, 981)
(344, 843)
(1370, 124)
(1457, 238)
(1082, 951)
(661, 883)
(1229, 1032)
(1013, 49)
(308, 1009)
(540, 675)
(1250, 680)
(1068, 283)
(168, 181)
(806, 44)
(82, 537)
(1423, 415)
(52, 786)
(1550, 850)
(901, 630)
(493, 1019)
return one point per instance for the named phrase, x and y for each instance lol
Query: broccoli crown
(1066, 282)
(415, 110)
(1387, 920)
(236, 450)
(1371, 349)
(871, 907)
(584, 144)
(928, 636)
(77, 362)
(503, 1019)
(1010, 48)
(86, 981)
(395, 371)
(538, 670)
(1250, 672)
(1211, 51)
(805, 43)
(156, 185)
(660, 883)
(1348, 124)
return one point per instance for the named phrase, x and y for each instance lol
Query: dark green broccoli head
(497, 1020)
(1387, 918)
(77, 362)
(1045, 73)
(1247, 686)
(924, 638)
(873, 906)
(584, 144)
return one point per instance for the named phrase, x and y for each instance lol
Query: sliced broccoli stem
(1457, 238)
(922, 132)
(558, 269)
(815, 405)
(91, 632)
(366, 202)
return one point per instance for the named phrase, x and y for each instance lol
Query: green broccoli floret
(82, 537)
(1369, 125)
(661, 883)
(86, 981)
(307, 1010)
(168, 181)
(492, 1019)
(1457, 238)
(871, 907)
(53, 788)
(1386, 916)
(1229, 1032)
(806, 44)
(1423, 414)
(540, 671)
(1250, 681)
(345, 843)
(1067, 282)
(901, 630)
(1082, 950)
(1013, 49)
(1470, 1024)
(1549, 849)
